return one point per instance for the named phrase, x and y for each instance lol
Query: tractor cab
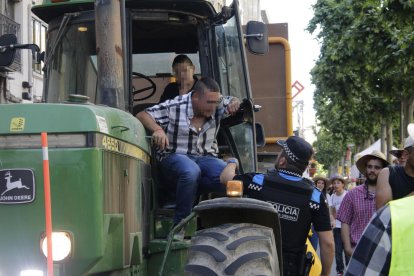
(154, 33)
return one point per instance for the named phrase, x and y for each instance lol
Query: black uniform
(401, 183)
(298, 204)
(172, 90)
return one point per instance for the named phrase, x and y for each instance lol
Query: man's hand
(233, 106)
(160, 138)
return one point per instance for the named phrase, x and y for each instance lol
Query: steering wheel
(152, 87)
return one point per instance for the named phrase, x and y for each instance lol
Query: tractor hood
(71, 118)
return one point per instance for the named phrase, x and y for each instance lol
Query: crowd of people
(363, 231)
(352, 225)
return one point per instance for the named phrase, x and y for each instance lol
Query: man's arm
(326, 243)
(346, 238)
(158, 134)
(228, 173)
(383, 193)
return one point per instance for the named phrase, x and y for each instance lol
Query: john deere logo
(17, 124)
(16, 186)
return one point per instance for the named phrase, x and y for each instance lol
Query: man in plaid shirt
(386, 246)
(184, 131)
(358, 205)
(372, 255)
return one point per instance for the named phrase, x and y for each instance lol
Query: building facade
(23, 80)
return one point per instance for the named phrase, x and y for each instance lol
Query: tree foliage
(365, 68)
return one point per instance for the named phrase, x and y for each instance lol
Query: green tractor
(105, 61)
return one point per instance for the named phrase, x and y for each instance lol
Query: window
(39, 37)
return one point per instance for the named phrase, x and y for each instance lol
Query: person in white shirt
(336, 198)
(322, 183)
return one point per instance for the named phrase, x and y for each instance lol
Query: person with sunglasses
(358, 205)
(395, 182)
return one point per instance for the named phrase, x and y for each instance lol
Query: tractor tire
(233, 249)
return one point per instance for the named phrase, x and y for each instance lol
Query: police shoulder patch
(258, 179)
(316, 195)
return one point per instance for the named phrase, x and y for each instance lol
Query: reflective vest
(402, 236)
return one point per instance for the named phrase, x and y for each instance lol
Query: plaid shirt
(174, 117)
(372, 255)
(356, 210)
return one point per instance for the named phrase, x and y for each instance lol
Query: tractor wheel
(233, 249)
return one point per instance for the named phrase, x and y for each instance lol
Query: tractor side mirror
(7, 53)
(257, 38)
(8, 48)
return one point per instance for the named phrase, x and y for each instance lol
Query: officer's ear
(282, 162)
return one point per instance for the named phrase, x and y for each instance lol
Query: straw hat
(338, 177)
(320, 177)
(362, 162)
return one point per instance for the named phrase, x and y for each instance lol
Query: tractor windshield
(73, 67)
(230, 56)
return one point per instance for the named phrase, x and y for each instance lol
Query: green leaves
(366, 67)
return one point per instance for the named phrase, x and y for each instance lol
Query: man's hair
(182, 59)
(293, 166)
(206, 83)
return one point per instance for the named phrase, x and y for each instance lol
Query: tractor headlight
(61, 245)
(234, 188)
(31, 272)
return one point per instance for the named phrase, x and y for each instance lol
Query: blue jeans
(190, 174)
(339, 251)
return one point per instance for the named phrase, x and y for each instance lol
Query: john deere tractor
(105, 61)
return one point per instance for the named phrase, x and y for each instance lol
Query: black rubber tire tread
(210, 250)
(250, 249)
(217, 236)
(236, 243)
(200, 270)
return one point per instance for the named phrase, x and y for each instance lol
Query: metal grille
(9, 26)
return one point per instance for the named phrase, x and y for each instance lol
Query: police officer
(297, 201)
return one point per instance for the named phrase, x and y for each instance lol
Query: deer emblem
(13, 185)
